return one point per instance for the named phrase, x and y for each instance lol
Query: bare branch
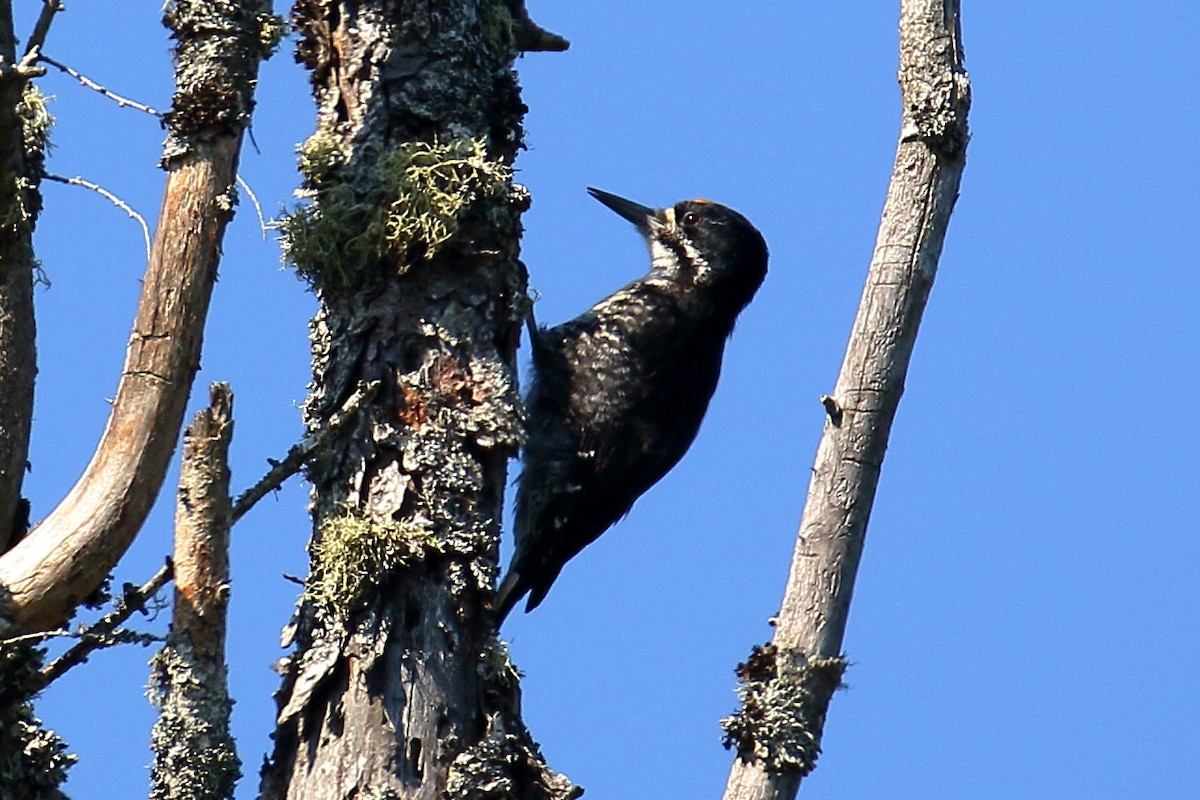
(262, 222)
(100, 634)
(42, 26)
(110, 197)
(123, 102)
(786, 686)
(300, 453)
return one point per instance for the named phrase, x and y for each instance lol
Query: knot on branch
(934, 84)
(784, 700)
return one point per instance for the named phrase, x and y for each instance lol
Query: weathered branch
(42, 26)
(99, 634)
(88, 83)
(787, 685)
(300, 453)
(220, 47)
(194, 753)
(110, 197)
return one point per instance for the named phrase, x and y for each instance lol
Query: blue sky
(1026, 619)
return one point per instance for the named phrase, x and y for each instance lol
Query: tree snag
(194, 753)
(787, 686)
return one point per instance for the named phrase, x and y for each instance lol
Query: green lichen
(353, 554)
(783, 710)
(496, 667)
(414, 206)
(21, 203)
(271, 30)
(319, 155)
(36, 120)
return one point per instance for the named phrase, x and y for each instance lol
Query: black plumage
(618, 393)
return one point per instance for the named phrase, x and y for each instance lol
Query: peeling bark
(397, 687)
(793, 687)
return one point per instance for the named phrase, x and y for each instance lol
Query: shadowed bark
(787, 685)
(23, 126)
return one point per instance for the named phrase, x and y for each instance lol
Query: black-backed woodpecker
(618, 393)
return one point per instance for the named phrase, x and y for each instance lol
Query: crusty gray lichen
(218, 49)
(783, 709)
(501, 762)
(194, 752)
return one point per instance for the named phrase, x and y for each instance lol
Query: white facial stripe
(698, 261)
(662, 257)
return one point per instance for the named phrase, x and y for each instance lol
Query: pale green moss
(419, 192)
(352, 554)
(271, 30)
(36, 120)
(319, 154)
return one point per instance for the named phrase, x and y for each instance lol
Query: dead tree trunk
(397, 687)
(787, 685)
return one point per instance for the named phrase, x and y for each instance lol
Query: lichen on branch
(783, 709)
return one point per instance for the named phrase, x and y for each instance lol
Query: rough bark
(23, 126)
(787, 685)
(397, 687)
(220, 46)
(194, 753)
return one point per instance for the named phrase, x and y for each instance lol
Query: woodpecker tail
(508, 595)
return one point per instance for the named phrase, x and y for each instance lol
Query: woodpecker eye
(691, 219)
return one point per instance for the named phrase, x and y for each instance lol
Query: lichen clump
(502, 766)
(352, 554)
(783, 710)
(21, 203)
(412, 208)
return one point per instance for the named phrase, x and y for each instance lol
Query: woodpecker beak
(639, 215)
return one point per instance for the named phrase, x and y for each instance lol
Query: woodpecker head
(708, 253)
